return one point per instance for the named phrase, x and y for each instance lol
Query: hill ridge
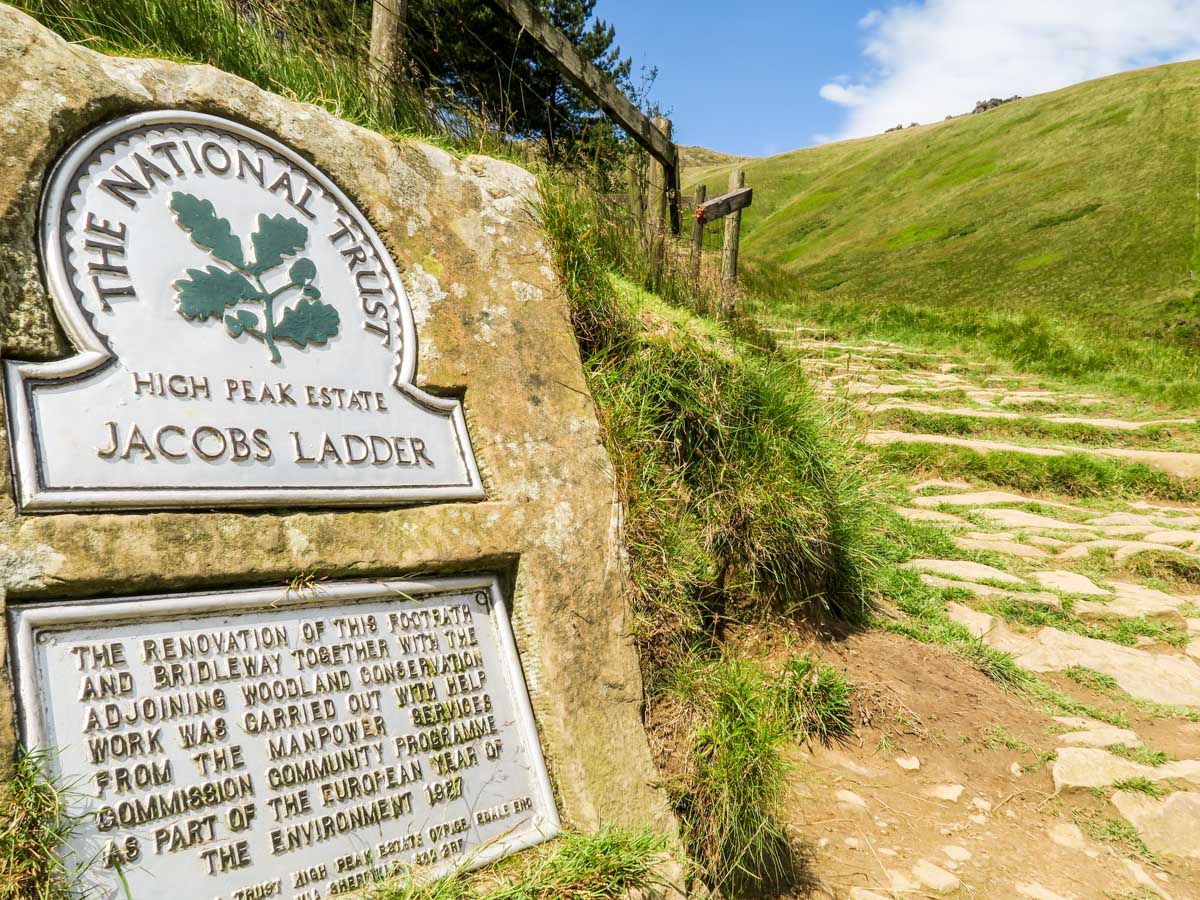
(1079, 203)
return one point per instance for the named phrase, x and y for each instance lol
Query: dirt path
(958, 787)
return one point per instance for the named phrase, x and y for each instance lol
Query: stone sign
(276, 743)
(243, 336)
(243, 343)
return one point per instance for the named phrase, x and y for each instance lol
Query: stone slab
(1070, 582)
(1103, 736)
(1170, 826)
(931, 515)
(1160, 678)
(1043, 598)
(999, 544)
(1177, 463)
(977, 498)
(1088, 767)
(1131, 601)
(1019, 518)
(963, 570)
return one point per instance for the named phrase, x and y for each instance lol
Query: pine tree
(486, 63)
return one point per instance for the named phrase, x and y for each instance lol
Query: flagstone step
(1179, 464)
(1160, 678)
(1099, 422)
(1091, 767)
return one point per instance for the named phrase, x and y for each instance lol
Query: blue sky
(758, 77)
(742, 77)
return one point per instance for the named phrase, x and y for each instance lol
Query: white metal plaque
(256, 744)
(243, 336)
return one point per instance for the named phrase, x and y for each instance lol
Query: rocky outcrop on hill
(985, 105)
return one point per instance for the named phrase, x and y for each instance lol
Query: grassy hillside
(1078, 205)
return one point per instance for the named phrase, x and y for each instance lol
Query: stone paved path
(1101, 597)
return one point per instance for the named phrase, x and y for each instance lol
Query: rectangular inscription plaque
(270, 743)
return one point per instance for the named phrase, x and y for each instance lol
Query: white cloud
(935, 58)
(845, 94)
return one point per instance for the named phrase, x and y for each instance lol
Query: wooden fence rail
(592, 82)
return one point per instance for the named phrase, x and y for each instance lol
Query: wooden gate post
(733, 228)
(388, 21)
(698, 232)
(658, 201)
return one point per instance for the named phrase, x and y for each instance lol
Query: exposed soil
(964, 730)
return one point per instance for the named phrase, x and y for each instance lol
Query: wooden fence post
(635, 179)
(671, 184)
(698, 232)
(388, 21)
(733, 228)
(657, 200)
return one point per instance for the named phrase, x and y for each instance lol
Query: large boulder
(494, 329)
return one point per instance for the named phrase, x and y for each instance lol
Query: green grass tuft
(609, 863)
(744, 500)
(1090, 678)
(743, 495)
(1143, 755)
(813, 700)
(276, 54)
(730, 804)
(1073, 474)
(1117, 832)
(1140, 786)
(34, 825)
(1027, 429)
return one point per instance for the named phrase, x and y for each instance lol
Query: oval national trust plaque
(243, 337)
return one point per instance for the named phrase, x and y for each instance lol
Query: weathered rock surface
(1179, 464)
(1160, 678)
(494, 329)
(1130, 601)
(964, 570)
(1036, 892)
(948, 792)
(1018, 518)
(1070, 582)
(1085, 767)
(1043, 598)
(1103, 736)
(1170, 826)
(1148, 676)
(1068, 835)
(934, 878)
(971, 498)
